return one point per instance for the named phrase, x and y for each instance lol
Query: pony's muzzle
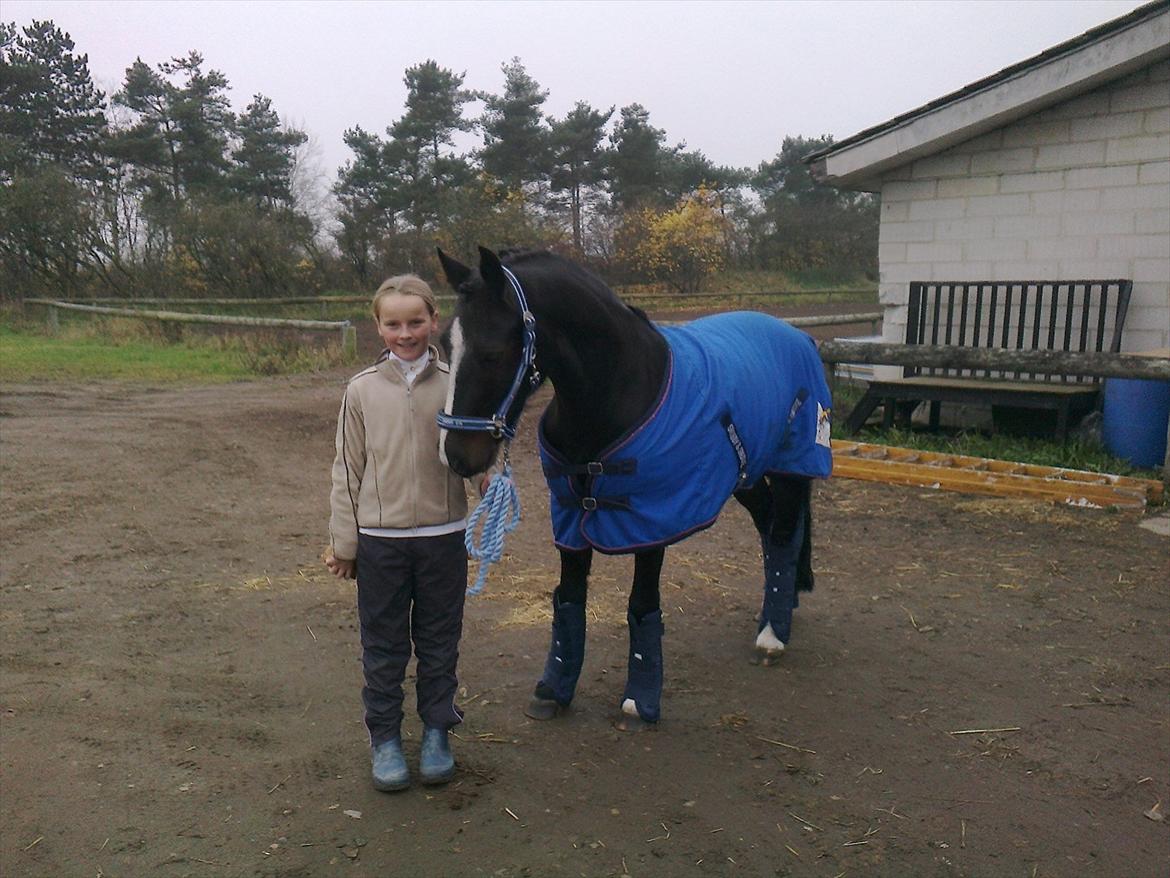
(468, 453)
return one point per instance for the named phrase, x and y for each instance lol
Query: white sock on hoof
(629, 708)
(768, 642)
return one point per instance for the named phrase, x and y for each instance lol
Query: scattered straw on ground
(1042, 512)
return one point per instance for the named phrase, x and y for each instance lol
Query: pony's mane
(589, 280)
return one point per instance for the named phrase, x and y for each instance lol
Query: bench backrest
(1080, 315)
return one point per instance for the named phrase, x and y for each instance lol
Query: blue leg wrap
(780, 596)
(566, 653)
(644, 683)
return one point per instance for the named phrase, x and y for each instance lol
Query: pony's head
(485, 341)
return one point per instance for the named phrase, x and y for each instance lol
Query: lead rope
(500, 510)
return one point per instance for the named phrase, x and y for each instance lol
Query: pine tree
(366, 196)
(420, 153)
(516, 140)
(202, 110)
(806, 224)
(265, 156)
(578, 159)
(636, 176)
(786, 178)
(52, 127)
(685, 173)
(50, 112)
(150, 144)
(179, 140)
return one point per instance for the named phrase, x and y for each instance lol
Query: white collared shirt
(411, 368)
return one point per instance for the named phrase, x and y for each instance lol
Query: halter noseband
(498, 424)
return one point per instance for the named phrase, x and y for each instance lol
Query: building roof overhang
(1079, 65)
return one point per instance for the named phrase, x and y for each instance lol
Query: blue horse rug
(744, 396)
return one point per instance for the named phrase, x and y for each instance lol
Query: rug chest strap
(626, 466)
(589, 504)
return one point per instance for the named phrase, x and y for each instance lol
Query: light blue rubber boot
(436, 765)
(390, 772)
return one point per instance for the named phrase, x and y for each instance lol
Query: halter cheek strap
(498, 424)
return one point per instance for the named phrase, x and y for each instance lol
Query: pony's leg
(643, 695)
(760, 503)
(566, 652)
(757, 500)
(787, 563)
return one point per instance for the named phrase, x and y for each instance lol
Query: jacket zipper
(413, 456)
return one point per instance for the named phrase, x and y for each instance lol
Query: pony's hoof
(768, 657)
(629, 721)
(543, 709)
(633, 724)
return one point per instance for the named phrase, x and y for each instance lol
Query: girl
(397, 524)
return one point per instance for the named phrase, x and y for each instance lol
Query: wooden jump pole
(1097, 365)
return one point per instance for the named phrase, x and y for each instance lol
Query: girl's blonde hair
(407, 285)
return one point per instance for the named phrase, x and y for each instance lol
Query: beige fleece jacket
(387, 471)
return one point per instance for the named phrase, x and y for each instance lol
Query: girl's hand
(341, 569)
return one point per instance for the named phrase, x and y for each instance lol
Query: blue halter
(498, 424)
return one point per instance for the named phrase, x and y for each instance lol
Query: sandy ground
(976, 687)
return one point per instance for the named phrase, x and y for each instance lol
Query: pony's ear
(492, 270)
(455, 270)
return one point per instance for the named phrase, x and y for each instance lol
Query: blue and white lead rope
(500, 510)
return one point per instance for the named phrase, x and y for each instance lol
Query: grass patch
(134, 350)
(25, 357)
(1082, 454)
(811, 280)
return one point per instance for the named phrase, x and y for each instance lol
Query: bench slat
(1073, 316)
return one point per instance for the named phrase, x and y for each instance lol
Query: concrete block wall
(1080, 190)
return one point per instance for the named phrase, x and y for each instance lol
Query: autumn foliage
(679, 247)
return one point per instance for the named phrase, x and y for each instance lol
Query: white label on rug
(823, 426)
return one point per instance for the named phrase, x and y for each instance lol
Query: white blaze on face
(456, 354)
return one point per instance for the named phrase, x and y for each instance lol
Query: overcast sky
(731, 79)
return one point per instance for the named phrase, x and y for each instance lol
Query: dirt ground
(977, 687)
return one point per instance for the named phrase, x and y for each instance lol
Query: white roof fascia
(1078, 71)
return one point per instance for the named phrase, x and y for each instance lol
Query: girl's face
(405, 325)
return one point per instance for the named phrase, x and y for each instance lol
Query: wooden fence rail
(873, 318)
(167, 300)
(347, 333)
(448, 297)
(345, 327)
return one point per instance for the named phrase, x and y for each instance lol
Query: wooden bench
(1082, 315)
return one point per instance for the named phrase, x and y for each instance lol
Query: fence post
(348, 339)
(51, 319)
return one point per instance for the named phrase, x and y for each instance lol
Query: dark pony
(649, 431)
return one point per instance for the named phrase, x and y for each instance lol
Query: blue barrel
(1136, 412)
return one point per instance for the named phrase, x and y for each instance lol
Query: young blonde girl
(397, 524)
